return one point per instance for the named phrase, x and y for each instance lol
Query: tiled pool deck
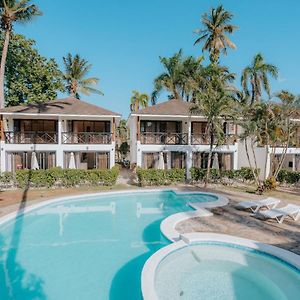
(229, 220)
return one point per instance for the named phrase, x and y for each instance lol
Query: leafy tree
(269, 125)
(76, 70)
(13, 11)
(122, 131)
(257, 75)
(138, 100)
(284, 132)
(216, 102)
(30, 77)
(216, 26)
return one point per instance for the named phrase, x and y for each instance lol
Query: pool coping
(151, 265)
(33, 206)
(168, 225)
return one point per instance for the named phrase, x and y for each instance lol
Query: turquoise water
(220, 271)
(87, 255)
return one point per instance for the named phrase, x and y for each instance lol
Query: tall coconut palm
(76, 70)
(138, 100)
(13, 11)
(216, 26)
(257, 75)
(180, 76)
(171, 79)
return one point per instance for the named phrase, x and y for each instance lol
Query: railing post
(59, 140)
(189, 132)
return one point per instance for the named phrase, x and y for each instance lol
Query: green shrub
(290, 177)
(198, 174)
(58, 176)
(160, 177)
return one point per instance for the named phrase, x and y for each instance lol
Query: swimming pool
(213, 266)
(91, 247)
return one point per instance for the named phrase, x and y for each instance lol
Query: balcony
(30, 137)
(86, 138)
(204, 139)
(162, 138)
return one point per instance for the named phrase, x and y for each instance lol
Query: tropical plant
(122, 131)
(138, 100)
(169, 80)
(284, 131)
(216, 103)
(180, 79)
(216, 26)
(76, 70)
(257, 75)
(13, 11)
(29, 77)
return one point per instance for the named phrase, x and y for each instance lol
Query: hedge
(290, 177)
(160, 177)
(198, 174)
(60, 177)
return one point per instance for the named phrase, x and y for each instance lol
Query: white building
(67, 133)
(169, 128)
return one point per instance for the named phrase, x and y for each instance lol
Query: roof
(172, 107)
(66, 106)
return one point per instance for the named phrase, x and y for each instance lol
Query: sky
(123, 39)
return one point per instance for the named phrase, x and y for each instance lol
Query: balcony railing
(86, 137)
(204, 139)
(162, 138)
(30, 137)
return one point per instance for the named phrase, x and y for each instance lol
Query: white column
(169, 165)
(112, 154)
(189, 132)
(189, 163)
(60, 152)
(138, 154)
(294, 162)
(235, 160)
(2, 157)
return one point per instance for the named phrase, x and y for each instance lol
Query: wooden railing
(86, 137)
(30, 137)
(162, 138)
(203, 139)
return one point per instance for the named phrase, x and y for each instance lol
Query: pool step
(140, 210)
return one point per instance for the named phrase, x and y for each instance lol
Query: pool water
(85, 253)
(221, 271)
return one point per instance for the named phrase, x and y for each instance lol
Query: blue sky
(123, 39)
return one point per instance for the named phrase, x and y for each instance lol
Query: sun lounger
(255, 206)
(279, 214)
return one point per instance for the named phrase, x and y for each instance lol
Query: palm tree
(257, 75)
(216, 26)
(13, 11)
(138, 100)
(76, 70)
(171, 79)
(180, 76)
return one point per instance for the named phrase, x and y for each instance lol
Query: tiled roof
(171, 107)
(66, 106)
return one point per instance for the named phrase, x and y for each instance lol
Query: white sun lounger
(279, 214)
(255, 206)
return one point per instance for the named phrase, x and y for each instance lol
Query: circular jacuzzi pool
(219, 268)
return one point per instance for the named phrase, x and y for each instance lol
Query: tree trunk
(209, 156)
(2, 68)
(282, 158)
(250, 164)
